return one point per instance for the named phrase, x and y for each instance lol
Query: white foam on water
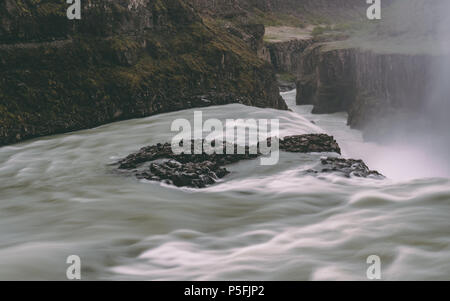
(59, 196)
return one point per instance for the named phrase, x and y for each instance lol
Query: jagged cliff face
(378, 90)
(326, 79)
(286, 56)
(45, 20)
(123, 59)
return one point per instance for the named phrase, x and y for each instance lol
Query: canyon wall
(286, 56)
(379, 90)
(389, 76)
(123, 59)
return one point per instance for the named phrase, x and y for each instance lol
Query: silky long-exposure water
(59, 196)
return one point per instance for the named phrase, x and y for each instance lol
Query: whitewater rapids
(59, 196)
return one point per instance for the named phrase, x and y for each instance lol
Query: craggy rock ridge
(159, 163)
(123, 59)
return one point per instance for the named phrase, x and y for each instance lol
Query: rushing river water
(59, 196)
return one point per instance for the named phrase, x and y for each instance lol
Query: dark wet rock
(196, 169)
(312, 143)
(346, 167)
(199, 169)
(164, 151)
(191, 174)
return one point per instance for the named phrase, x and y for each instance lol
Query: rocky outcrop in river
(159, 162)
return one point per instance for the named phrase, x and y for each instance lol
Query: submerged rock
(199, 169)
